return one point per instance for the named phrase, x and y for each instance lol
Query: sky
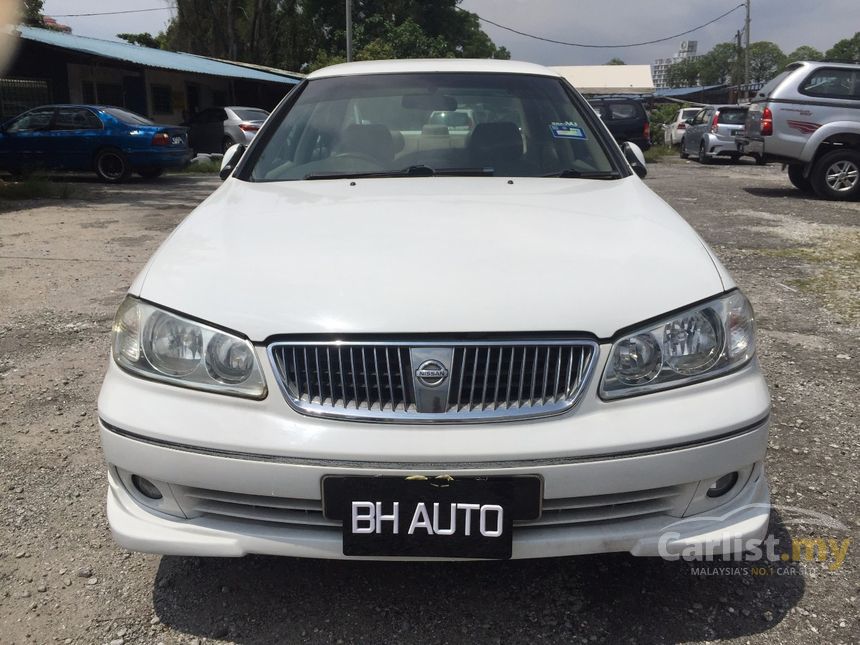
(789, 23)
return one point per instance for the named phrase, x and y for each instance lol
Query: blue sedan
(112, 141)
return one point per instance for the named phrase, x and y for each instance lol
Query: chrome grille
(485, 381)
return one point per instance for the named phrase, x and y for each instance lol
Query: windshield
(732, 116)
(247, 114)
(512, 125)
(773, 83)
(127, 117)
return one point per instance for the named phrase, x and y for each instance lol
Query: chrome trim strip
(453, 417)
(444, 466)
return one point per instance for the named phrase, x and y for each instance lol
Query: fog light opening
(147, 488)
(722, 485)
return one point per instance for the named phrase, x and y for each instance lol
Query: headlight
(702, 342)
(160, 345)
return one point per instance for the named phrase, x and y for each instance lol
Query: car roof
(75, 105)
(432, 65)
(815, 63)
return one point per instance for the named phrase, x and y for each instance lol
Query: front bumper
(232, 529)
(615, 474)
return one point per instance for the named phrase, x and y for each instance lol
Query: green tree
(846, 50)
(766, 61)
(33, 12)
(615, 61)
(723, 64)
(684, 73)
(303, 34)
(144, 40)
(804, 52)
(406, 40)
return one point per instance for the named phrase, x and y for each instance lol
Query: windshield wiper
(346, 175)
(418, 170)
(573, 173)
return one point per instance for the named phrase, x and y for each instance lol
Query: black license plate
(419, 516)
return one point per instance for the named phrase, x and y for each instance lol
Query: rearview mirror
(635, 157)
(230, 159)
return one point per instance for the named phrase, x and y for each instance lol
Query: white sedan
(675, 129)
(378, 341)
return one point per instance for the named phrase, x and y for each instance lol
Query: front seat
(497, 145)
(372, 140)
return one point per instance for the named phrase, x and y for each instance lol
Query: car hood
(430, 254)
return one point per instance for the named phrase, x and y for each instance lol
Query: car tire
(703, 157)
(226, 143)
(112, 165)
(836, 175)
(795, 176)
(684, 154)
(150, 173)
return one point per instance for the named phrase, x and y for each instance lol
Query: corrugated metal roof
(149, 57)
(683, 91)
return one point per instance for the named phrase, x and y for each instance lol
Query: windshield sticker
(566, 130)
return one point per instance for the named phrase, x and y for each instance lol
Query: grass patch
(834, 264)
(208, 167)
(656, 153)
(36, 187)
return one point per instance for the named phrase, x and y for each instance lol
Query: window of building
(102, 93)
(162, 99)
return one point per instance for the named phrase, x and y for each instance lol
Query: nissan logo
(431, 373)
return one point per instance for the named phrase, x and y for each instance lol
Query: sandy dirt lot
(64, 267)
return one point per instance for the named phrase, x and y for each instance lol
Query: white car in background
(364, 346)
(675, 129)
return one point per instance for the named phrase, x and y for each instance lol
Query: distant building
(56, 67)
(660, 68)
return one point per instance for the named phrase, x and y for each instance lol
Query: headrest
(372, 139)
(496, 140)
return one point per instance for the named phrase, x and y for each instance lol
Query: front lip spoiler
(340, 463)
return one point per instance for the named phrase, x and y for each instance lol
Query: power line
(107, 13)
(647, 42)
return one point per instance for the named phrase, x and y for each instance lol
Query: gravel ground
(64, 267)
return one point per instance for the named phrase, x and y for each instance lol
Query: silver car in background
(216, 129)
(808, 118)
(711, 133)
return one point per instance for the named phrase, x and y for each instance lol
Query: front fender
(825, 132)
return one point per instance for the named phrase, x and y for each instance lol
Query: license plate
(419, 516)
(177, 141)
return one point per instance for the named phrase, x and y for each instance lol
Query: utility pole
(735, 70)
(349, 30)
(747, 51)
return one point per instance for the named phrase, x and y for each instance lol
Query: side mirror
(635, 157)
(230, 159)
(688, 121)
